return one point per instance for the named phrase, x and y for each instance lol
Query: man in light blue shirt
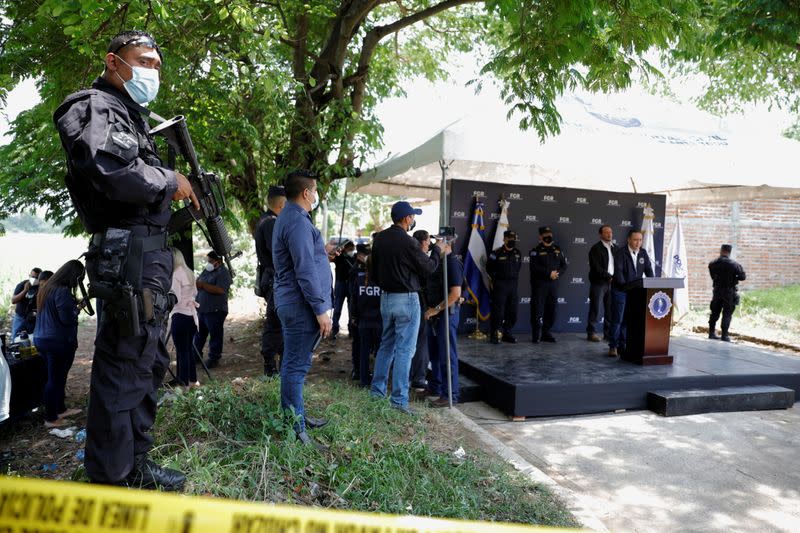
(303, 293)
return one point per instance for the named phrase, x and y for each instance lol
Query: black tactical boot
(148, 475)
(712, 334)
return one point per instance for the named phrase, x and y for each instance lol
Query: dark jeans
(339, 296)
(271, 336)
(599, 299)
(419, 364)
(355, 349)
(211, 324)
(183, 331)
(300, 328)
(616, 325)
(370, 339)
(438, 355)
(504, 305)
(59, 358)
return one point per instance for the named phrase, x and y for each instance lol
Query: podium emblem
(659, 305)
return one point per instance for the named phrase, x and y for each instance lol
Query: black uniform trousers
(504, 305)
(544, 295)
(126, 374)
(419, 363)
(724, 301)
(271, 335)
(599, 298)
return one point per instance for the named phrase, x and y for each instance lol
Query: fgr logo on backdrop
(613, 202)
(564, 220)
(514, 196)
(531, 218)
(562, 300)
(548, 198)
(579, 240)
(597, 221)
(479, 194)
(459, 214)
(581, 200)
(626, 224)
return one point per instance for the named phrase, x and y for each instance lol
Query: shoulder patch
(123, 140)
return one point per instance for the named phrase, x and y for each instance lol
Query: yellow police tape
(41, 506)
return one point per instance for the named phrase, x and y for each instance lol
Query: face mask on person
(315, 201)
(34, 281)
(143, 85)
(209, 267)
(350, 254)
(548, 239)
(413, 225)
(512, 243)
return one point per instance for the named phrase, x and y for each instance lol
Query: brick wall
(765, 235)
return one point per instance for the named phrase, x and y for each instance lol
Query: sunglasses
(139, 40)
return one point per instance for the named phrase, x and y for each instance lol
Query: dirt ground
(27, 448)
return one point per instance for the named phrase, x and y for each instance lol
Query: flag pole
(446, 326)
(477, 334)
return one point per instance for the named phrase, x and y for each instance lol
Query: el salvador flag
(475, 266)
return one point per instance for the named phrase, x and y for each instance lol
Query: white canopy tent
(602, 149)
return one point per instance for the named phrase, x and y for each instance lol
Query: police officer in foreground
(271, 338)
(116, 180)
(547, 263)
(503, 269)
(726, 275)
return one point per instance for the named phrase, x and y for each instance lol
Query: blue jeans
(339, 296)
(300, 328)
(211, 324)
(183, 331)
(16, 324)
(400, 313)
(616, 326)
(59, 358)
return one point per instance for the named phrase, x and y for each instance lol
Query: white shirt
(633, 256)
(610, 267)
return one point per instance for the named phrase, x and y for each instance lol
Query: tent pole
(446, 324)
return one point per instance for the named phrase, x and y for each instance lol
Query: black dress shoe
(493, 339)
(548, 338)
(212, 363)
(535, 340)
(306, 439)
(509, 338)
(148, 475)
(314, 423)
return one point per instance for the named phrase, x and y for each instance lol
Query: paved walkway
(637, 471)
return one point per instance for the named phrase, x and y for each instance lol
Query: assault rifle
(208, 188)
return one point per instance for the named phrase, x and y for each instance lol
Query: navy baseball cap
(362, 249)
(402, 210)
(545, 229)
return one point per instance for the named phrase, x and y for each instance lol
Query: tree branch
(399, 24)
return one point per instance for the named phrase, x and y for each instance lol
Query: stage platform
(575, 376)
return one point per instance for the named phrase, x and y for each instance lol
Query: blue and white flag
(677, 266)
(475, 266)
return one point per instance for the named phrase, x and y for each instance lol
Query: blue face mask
(143, 85)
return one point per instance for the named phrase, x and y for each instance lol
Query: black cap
(275, 191)
(545, 229)
(214, 255)
(362, 249)
(509, 234)
(726, 248)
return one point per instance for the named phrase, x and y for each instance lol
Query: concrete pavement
(637, 471)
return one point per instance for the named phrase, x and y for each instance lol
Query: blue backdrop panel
(575, 216)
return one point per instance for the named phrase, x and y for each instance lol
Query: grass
(233, 442)
(783, 301)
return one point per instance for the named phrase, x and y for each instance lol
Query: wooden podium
(648, 315)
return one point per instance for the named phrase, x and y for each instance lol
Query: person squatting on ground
(601, 272)
(419, 363)
(439, 327)
(364, 306)
(271, 338)
(184, 320)
(547, 264)
(398, 266)
(56, 337)
(122, 193)
(302, 294)
(726, 275)
(344, 263)
(502, 267)
(24, 300)
(213, 287)
(630, 263)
